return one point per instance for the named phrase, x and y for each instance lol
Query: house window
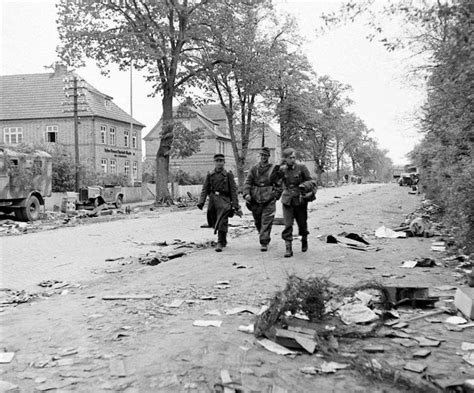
(127, 168)
(113, 167)
(103, 134)
(112, 136)
(126, 138)
(134, 139)
(12, 135)
(107, 102)
(52, 134)
(103, 164)
(135, 170)
(221, 147)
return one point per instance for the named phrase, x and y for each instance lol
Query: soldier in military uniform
(298, 188)
(223, 201)
(261, 191)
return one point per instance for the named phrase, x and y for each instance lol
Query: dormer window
(107, 102)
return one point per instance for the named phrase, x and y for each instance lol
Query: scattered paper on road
(356, 313)
(6, 357)
(246, 328)
(275, 348)
(175, 303)
(456, 320)
(383, 231)
(465, 346)
(409, 264)
(241, 309)
(202, 323)
(213, 312)
(415, 367)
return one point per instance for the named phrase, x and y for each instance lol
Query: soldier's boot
(221, 241)
(304, 243)
(289, 250)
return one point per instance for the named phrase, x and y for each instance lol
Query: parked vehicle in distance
(25, 180)
(94, 196)
(406, 179)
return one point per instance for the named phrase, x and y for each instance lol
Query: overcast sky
(384, 97)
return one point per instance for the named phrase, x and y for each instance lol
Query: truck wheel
(119, 202)
(31, 211)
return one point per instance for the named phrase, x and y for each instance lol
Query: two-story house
(37, 108)
(212, 120)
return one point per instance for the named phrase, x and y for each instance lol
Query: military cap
(265, 151)
(218, 156)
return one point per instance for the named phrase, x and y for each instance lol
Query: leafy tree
(160, 37)
(442, 33)
(246, 39)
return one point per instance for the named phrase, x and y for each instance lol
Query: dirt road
(79, 342)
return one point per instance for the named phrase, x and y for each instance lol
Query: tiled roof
(214, 112)
(207, 122)
(40, 96)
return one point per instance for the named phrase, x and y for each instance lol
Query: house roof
(214, 112)
(39, 96)
(207, 123)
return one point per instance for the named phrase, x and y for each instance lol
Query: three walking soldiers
(264, 185)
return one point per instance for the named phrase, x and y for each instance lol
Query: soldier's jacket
(292, 178)
(220, 184)
(263, 183)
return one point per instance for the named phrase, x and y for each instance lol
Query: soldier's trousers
(263, 215)
(292, 213)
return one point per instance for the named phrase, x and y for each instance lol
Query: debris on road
(11, 296)
(421, 353)
(6, 357)
(204, 323)
(324, 368)
(415, 367)
(246, 328)
(242, 309)
(355, 242)
(128, 297)
(464, 301)
(438, 246)
(175, 303)
(384, 232)
(419, 262)
(275, 348)
(456, 320)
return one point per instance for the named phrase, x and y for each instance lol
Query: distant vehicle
(94, 196)
(406, 179)
(25, 180)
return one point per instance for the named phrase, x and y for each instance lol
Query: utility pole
(74, 89)
(76, 134)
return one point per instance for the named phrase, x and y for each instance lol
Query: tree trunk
(163, 155)
(241, 172)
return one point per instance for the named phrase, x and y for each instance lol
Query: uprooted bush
(311, 297)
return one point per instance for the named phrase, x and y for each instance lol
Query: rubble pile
(10, 227)
(314, 315)
(10, 297)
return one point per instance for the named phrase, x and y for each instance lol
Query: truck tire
(31, 210)
(119, 202)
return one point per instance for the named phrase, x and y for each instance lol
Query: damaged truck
(25, 180)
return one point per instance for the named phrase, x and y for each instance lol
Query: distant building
(213, 121)
(34, 109)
